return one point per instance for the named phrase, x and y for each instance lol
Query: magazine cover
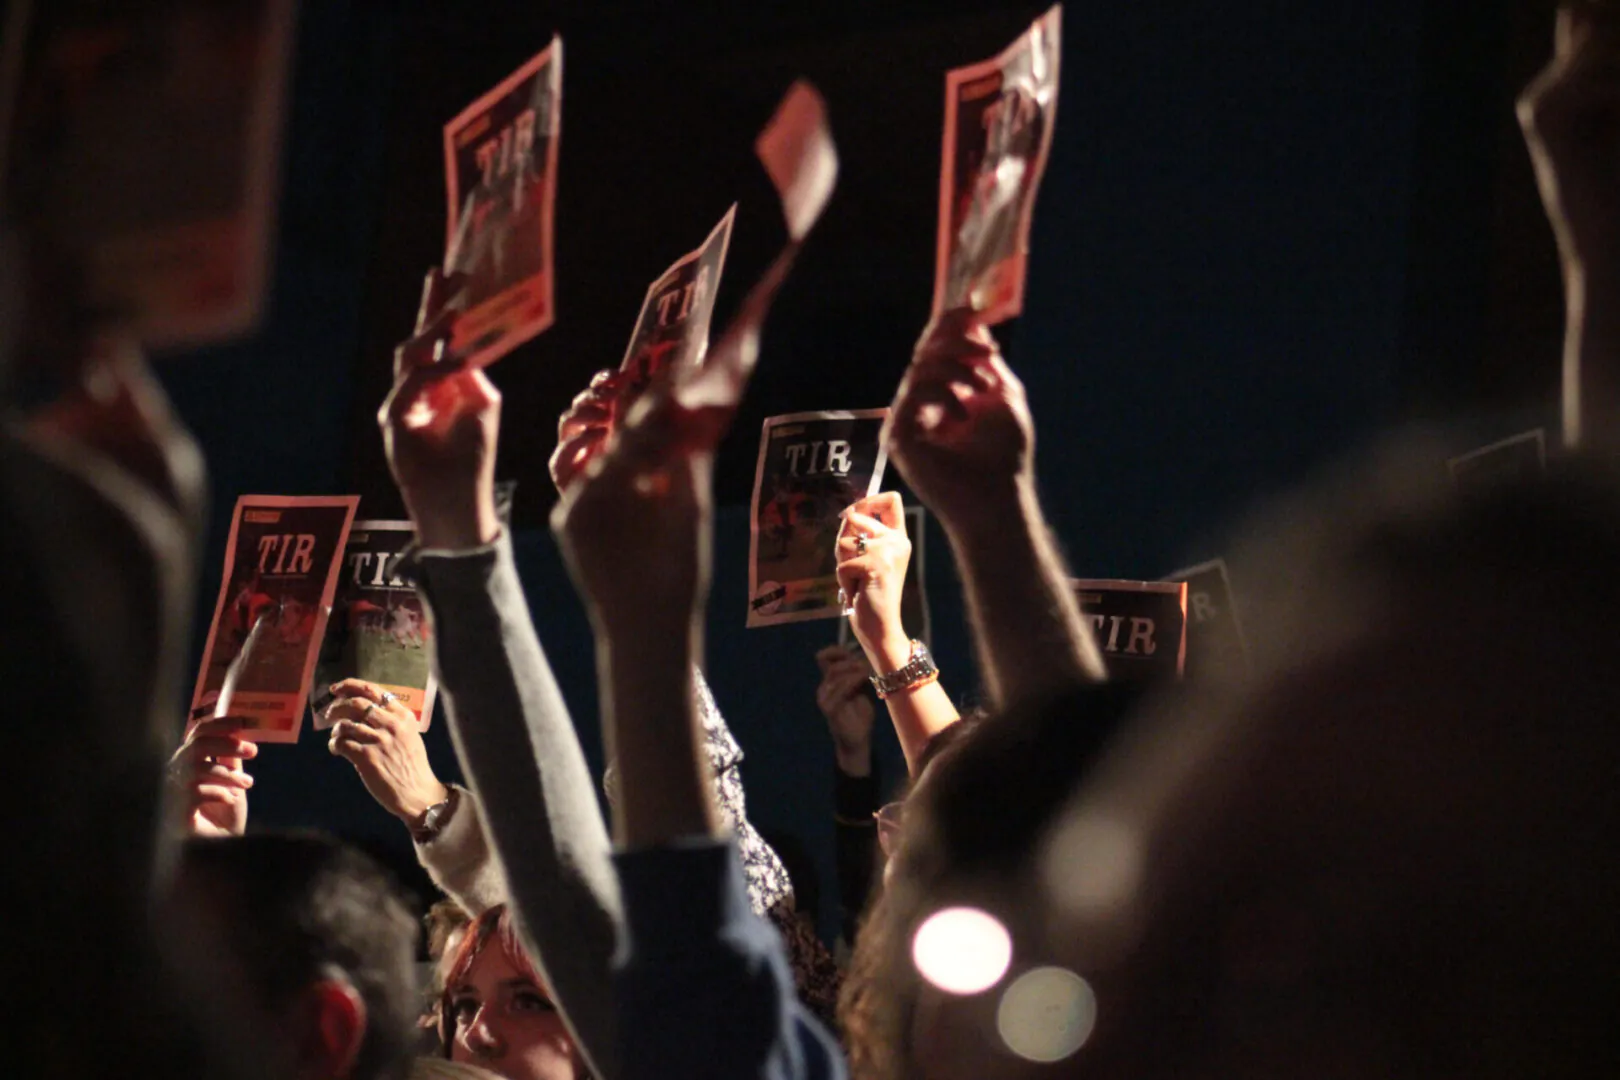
(183, 246)
(1501, 462)
(1141, 626)
(500, 165)
(379, 628)
(673, 327)
(811, 467)
(1214, 631)
(281, 570)
(999, 117)
(915, 614)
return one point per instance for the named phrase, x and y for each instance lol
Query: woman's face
(501, 1021)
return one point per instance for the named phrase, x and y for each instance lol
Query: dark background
(1267, 232)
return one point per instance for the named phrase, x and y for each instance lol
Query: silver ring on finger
(371, 707)
(389, 697)
(860, 545)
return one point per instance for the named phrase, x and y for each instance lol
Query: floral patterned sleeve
(770, 890)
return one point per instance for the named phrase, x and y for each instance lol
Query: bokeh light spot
(962, 950)
(1046, 1014)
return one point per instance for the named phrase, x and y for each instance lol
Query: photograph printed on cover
(999, 117)
(500, 160)
(175, 232)
(379, 627)
(811, 467)
(281, 570)
(673, 327)
(1140, 626)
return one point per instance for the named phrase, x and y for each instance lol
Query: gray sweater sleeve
(459, 860)
(523, 760)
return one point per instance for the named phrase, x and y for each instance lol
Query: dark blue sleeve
(701, 984)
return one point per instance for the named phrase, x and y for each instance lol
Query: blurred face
(503, 1022)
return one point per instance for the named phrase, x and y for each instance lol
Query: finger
(225, 727)
(387, 705)
(848, 685)
(347, 749)
(217, 746)
(352, 710)
(572, 456)
(887, 507)
(852, 577)
(869, 527)
(608, 385)
(926, 397)
(358, 688)
(584, 415)
(830, 655)
(214, 793)
(429, 347)
(348, 731)
(953, 345)
(958, 322)
(221, 775)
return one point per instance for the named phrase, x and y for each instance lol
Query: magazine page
(811, 467)
(500, 162)
(280, 576)
(378, 630)
(999, 117)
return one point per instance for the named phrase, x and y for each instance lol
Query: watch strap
(920, 670)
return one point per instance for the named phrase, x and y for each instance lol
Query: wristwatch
(920, 670)
(433, 820)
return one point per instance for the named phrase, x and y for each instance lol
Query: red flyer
(500, 166)
(281, 571)
(673, 327)
(999, 117)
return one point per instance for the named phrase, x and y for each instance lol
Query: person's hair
(432, 1068)
(990, 789)
(1395, 848)
(495, 924)
(305, 905)
(442, 921)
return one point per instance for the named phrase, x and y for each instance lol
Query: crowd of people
(1386, 848)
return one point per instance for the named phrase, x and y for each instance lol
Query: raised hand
(208, 772)
(635, 528)
(378, 735)
(439, 426)
(583, 430)
(873, 554)
(960, 429)
(844, 698)
(635, 525)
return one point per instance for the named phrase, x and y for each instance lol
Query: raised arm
(961, 434)
(1571, 120)
(873, 553)
(511, 728)
(703, 987)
